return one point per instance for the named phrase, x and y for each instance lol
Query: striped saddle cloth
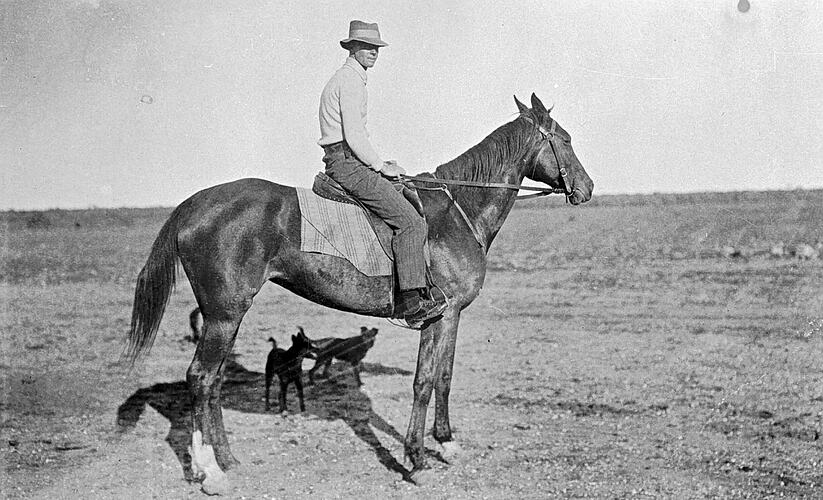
(344, 229)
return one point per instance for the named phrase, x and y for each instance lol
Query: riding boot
(418, 305)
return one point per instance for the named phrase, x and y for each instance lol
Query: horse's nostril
(578, 197)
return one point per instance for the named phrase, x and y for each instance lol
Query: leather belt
(338, 147)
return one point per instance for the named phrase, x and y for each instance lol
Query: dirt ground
(632, 362)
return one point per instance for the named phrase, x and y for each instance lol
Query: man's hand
(392, 170)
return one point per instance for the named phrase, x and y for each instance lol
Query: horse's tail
(154, 286)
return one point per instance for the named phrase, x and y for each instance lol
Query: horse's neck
(486, 208)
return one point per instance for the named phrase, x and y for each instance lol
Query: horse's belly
(333, 282)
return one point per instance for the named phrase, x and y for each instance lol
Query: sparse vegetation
(615, 352)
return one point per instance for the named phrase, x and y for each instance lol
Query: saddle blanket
(342, 230)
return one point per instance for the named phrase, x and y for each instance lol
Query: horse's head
(553, 161)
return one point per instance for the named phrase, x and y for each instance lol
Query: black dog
(352, 350)
(288, 366)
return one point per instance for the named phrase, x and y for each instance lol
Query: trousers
(377, 194)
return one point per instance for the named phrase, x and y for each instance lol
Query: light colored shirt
(343, 110)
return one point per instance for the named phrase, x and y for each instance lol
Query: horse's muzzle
(577, 197)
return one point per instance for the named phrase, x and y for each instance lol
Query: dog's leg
(283, 387)
(299, 383)
(357, 373)
(311, 373)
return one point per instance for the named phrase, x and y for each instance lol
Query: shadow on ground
(334, 398)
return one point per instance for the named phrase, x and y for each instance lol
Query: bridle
(549, 137)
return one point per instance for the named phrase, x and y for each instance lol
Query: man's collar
(360, 70)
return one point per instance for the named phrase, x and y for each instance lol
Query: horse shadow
(337, 397)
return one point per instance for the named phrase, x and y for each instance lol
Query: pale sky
(116, 103)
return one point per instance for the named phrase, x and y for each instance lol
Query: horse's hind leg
(210, 450)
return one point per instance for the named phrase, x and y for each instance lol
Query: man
(352, 161)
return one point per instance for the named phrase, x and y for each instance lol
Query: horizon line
(628, 195)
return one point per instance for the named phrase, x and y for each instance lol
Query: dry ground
(613, 353)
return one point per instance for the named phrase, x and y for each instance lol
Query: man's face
(364, 53)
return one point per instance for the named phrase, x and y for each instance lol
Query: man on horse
(354, 164)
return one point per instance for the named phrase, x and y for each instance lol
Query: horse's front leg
(434, 363)
(444, 348)
(423, 383)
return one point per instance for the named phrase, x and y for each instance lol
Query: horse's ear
(537, 105)
(520, 106)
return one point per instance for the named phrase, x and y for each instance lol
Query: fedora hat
(363, 32)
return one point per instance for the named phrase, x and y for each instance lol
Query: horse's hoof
(423, 476)
(450, 450)
(229, 463)
(216, 484)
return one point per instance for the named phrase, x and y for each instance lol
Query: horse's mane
(485, 161)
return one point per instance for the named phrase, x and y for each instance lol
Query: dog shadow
(336, 397)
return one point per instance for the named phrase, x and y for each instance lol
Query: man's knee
(420, 225)
(416, 226)
(412, 225)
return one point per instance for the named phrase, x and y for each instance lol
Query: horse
(232, 238)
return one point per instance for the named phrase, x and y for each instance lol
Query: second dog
(351, 350)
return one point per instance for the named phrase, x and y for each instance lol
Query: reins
(548, 137)
(499, 185)
(444, 183)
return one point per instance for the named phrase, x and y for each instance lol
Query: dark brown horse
(234, 237)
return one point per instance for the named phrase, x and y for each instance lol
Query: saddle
(326, 187)
(331, 192)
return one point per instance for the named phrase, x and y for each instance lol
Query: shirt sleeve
(352, 95)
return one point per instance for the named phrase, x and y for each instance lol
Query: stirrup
(434, 313)
(423, 316)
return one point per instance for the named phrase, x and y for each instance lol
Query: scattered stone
(730, 252)
(803, 251)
